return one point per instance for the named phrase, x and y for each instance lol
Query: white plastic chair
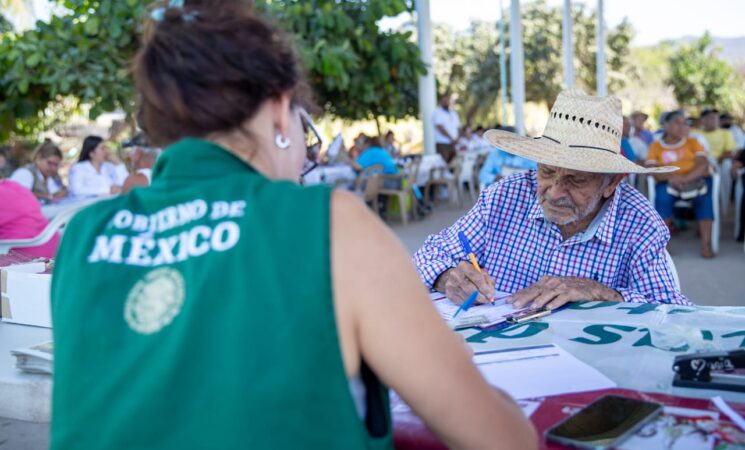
(466, 176)
(56, 224)
(739, 192)
(725, 168)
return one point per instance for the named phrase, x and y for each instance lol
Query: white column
(427, 94)
(502, 66)
(602, 87)
(517, 67)
(568, 44)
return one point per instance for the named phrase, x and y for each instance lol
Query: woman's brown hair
(207, 67)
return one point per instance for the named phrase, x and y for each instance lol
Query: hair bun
(180, 91)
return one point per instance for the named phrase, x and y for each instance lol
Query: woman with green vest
(41, 176)
(227, 307)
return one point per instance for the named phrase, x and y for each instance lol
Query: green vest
(39, 187)
(198, 314)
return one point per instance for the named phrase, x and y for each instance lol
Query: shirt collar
(192, 159)
(602, 225)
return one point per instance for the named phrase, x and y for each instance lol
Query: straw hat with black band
(582, 133)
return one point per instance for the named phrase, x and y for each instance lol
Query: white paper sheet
(539, 371)
(528, 406)
(476, 315)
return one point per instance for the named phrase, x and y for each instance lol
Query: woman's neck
(96, 165)
(238, 146)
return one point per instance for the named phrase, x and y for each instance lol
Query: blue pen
(467, 248)
(467, 304)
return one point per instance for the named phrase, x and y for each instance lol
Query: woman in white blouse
(93, 175)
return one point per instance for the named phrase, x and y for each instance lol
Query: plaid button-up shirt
(624, 247)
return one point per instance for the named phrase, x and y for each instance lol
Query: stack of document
(480, 315)
(35, 359)
(539, 371)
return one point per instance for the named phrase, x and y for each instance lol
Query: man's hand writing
(459, 282)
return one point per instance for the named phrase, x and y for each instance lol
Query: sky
(653, 20)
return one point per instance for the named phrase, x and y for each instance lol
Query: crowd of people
(97, 173)
(697, 146)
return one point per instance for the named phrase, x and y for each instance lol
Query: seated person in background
(375, 154)
(638, 123)
(720, 142)
(21, 218)
(359, 145)
(465, 137)
(491, 171)
(6, 168)
(236, 377)
(676, 148)
(478, 142)
(569, 231)
(727, 123)
(626, 149)
(739, 163)
(40, 176)
(93, 175)
(390, 145)
(143, 159)
(693, 125)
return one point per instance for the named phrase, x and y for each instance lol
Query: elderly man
(143, 160)
(569, 231)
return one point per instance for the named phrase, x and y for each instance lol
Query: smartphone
(604, 423)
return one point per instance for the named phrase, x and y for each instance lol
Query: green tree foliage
(468, 62)
(82, 58)
(356, 69)
(700, 78)
(5, 25)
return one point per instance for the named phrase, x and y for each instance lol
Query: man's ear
(614, 182)
(281, 113)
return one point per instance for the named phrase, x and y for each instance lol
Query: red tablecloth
(409, 431)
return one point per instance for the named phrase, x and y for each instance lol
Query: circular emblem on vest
(155, 301)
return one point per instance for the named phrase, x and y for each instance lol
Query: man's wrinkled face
(566, 195)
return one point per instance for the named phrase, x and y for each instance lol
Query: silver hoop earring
(281, 142)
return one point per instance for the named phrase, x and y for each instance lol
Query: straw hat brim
(544, 151)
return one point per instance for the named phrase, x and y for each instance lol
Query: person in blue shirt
(626, 149)
(497, 159)
(373, 154)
